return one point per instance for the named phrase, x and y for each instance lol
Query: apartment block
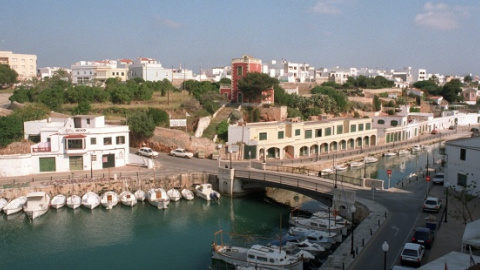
(24, 64)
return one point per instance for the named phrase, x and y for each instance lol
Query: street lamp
(230, 151)
(249, 158)
(385, 249)
(91, 166)
(353, 209)
(264, 155)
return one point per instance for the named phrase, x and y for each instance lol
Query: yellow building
(24, 64)
(293, 138)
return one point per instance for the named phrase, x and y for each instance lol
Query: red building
(240, 68)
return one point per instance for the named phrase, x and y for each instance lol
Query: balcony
(41, 147)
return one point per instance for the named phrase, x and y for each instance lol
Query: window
(462, 180)
(368, 126)
(120, 140)
(240, 71)
(308, 134)
(328, 131)
(107, 141)
(262, 136)
(113, 73)
(93, 141)
(281, 134)
(88, 121)
(75, 144)
(394, 123)
(297, 132)
(463, 153)
(318, 133)
(360, 127)
(339, 129)
(353, 128)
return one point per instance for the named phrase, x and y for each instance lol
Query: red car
(434, 132)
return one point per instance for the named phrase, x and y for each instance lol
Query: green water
(141, 237)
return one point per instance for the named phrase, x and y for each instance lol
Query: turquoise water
(141, 237)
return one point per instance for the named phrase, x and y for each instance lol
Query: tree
(253, 85)
(8, 76)
(377, 105)
(464, 201)
(82, 108)
(141, 126)
(159, 117)
(451, 90)
(32, 112)
(225, 81)
(53, 98)
(222, 130)
(12, 129)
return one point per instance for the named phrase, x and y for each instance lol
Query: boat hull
(74, 202)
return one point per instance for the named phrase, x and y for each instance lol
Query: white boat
(174, 194)
(315, 223)
(187, 194)
(403, 152)
(292, 250)
(323, 238)
(15, 205)
(74, 201)
(370, 159)
(261, 257)
(128, 198)
(3, 202)
(109, 199)
(158, 197)
(299, 241)
(206, 192)
(341, 168)
(335, 218)
(140, 195)
(37, 204)
(389, 154)
(90, 200)
(58, 201)
(416, 148)
(356, 164)
(328, 171)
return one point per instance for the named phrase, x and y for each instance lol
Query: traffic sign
(427, 178)
(389, 172)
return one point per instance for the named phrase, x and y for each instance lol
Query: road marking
(396, 229)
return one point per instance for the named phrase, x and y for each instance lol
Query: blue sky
(440, 36)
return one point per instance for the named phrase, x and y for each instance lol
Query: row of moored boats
(36, 204)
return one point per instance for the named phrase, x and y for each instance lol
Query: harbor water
(144, 237)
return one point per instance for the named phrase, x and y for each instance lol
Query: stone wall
(166, 139)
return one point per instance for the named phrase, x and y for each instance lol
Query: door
(108, 161)
(76, 163)
(47, 164)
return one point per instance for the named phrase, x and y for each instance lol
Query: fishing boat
(261, 257)
(74, 201)
(3, 202)
(109, 199)
(327, 171)
(174, 194)
(37, 204)
(140, 195)
(315, 223)
(341, 168)
(158, 197)
(403, 152)
(356, 164)
(370, 159)
(334, 217)
(15, 205)
(389, 154)
(416, 148)
(128, 198)
(323, 238)
(206, 192)
(298, 241)
(187, 194)
(90, 200)
(58, 201)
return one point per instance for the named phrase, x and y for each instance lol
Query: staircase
(211, 130)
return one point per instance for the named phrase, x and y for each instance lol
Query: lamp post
(91, 166)
(336, 171)
(264, 155)
(249, 158)
(352, 209)
(230, 152)
(385, 249)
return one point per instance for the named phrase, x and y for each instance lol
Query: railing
(42, 149)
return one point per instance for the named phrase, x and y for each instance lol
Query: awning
(75, 136)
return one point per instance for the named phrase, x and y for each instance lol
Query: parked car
(434, 132)
(412, 253)
(147, 152)
(438, 178)
(432, 204)
(451, 127)
(474, 130)
(423, 236)
(180, 152)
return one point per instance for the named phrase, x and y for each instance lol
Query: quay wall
(100, 185)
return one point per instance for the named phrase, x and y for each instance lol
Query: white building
(286, 71)
(65, 144)
(461, 157)
(422, 75)
(149, 69)
(89, 72)
(218, 73)
(48, 72)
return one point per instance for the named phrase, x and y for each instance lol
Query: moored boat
(37, 204)
(174, 194)
(158, 197)
(316, 224)
(324, 238)
(109, 199)
(327, 171)
(128, 198)
(140, 195)
(187, 194)
(206, 192)
(3, 202)
(389, 154)
(298, 241)
(74, 201)
(58, 201)
(356, 164)
(403, 152)
(341, 167)
(416, 148)
(90, 200)
(15, 205)
(370, 159)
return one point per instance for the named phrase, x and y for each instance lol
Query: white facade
(78, 143)
(48, 72)
(461, 171)
(88, 72)
(286, 71)
(218, 73)
(149, 69)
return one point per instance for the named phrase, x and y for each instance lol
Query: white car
(439, 178)
(180, 152)
(412, 253)
(147, 152)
